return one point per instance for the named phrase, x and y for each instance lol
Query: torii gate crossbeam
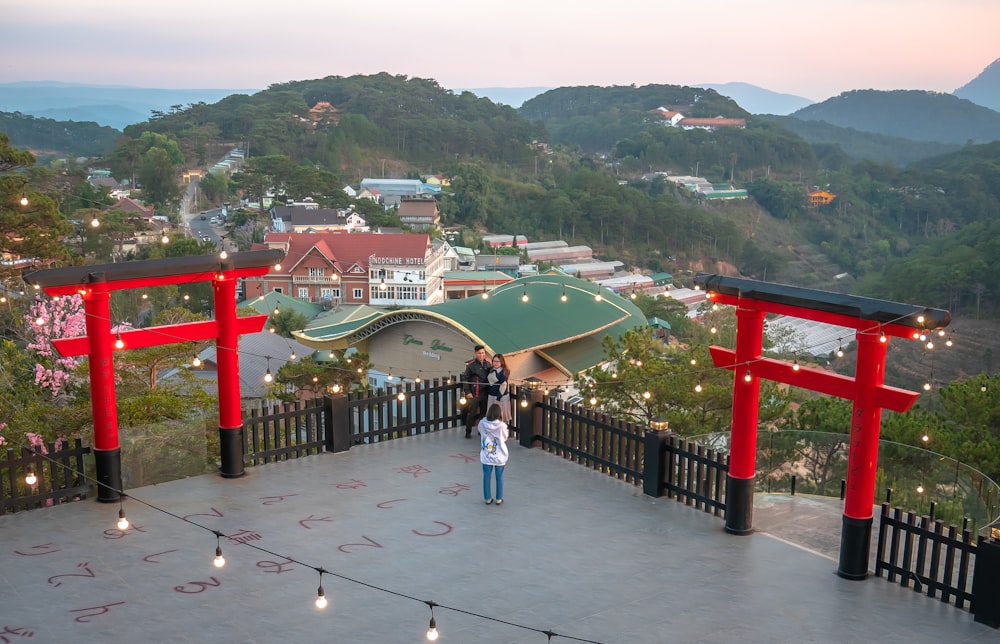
(95, 284)
(874, 321)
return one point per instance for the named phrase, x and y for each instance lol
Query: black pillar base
(739, 505)
(108, 464)
(231, 452)
(855, 542)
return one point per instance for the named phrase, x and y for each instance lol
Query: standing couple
(484, 384)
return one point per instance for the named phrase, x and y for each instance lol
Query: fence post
(337, 423)
(529, 420)
(654, 458)
(986, 583)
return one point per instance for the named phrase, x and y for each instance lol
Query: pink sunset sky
(805, 47)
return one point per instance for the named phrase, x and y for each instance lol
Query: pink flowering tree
(61, 317)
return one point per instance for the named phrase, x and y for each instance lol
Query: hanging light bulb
(463, 400)
(267, 374)
(524, 295)
(524, 402)
(485, 295)
(401, 396)
(39, 321)
(24, 198)
(186, 297)
(923, 337)
(145, 296)
(165, 239)
(563, 297)
(747, 377)
(697, 387)
(417, 380)
(982, 388)
(927, 386)
(219, 560)
(382, 286)
(593, 400)
(277, 266)
(276, 311)
(119, 343)
(925, 437)
(795, 366)
(95, 222)
(432, 631)
(920, 319)
(840, 352)
(271, 329)
(597, 295)
(715, 307)
(929, 345)
(321, 602)
(122, 521)
(882, 338)
(196, 362)
(633, 295)
(292, 357)
(713, 330)
(361, 370)
(948, 342)
(920, 488)
(315, 378)
(647, 395)
(30, 477)
(693, 362)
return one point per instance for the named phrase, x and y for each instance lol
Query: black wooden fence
(59, 477)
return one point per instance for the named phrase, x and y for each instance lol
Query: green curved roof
(568, 333)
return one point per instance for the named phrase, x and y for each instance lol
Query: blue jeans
(487, 474)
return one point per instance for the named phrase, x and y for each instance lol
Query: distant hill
(758, 100)
(983, 89)
(512, 96)
(858, 145)
(911, 114)
(46, 137)
(114, 106)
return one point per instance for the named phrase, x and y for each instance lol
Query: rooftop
(399, 523)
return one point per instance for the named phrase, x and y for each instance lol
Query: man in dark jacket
(476, 388)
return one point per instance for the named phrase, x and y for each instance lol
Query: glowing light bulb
(119, 343)
(336, 388)
(715, 307)
(219, 560)
(95, 223)
(713, 330)
(267, 375)
(432, 631)
(697, 388)
(925, 437)
(948, 342)
(920, 319)
(486, 295)
(927, 386)
(929, 345)
(524, 296)
(563, 297)
(646, 395)
(882, 338)
(223, 254)
(30, 478)
(795, 366)
(597, 297)
(122, 521)
(401, 396)
(165, 239)
(277, 266)
(24, 199)
(463, 400)
(39, 321)
(321, 602)
(747, 377)
(693, 362)
(840, 352)
(524, 403)
(417, 380)
(593, 400)
(196, 362)
(920, 489)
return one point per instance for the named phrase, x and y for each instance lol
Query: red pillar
(103, 405)
(862, 460)
(228, 360)
(743, 440)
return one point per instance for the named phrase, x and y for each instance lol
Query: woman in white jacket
(493, 455)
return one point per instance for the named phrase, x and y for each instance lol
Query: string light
(920, 488)
(24, 198)
(925, 437)
(597, 295)
(747, 377)
(335, 388)
(840, 351)
(267, 374)
(795, 366)
(196, 362)
(646, 395)
(524, 402)
(321, 602)
(593, 400)
(119, 343)
(713, 330)
(432, 632)
(697, 387)
(563, 297)
(524, 295)
(401, 396)
(30, 477)
(485, 295)
(122, 521)
(882, 338)
(95, 222)
(219, 560)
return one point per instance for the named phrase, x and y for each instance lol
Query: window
(358, 294)
(303, 293)
(278, 289)
(317, 273)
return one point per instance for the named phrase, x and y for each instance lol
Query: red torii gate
(95, 283)
(875, 321)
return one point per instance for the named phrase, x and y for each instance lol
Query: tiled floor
(571, 551)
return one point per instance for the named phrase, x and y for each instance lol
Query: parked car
(202, 217)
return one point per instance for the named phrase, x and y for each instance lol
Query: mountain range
(120, 106)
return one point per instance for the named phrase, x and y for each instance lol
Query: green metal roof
(567, 333)
(267, 303)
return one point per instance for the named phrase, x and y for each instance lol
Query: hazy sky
(809, 48)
